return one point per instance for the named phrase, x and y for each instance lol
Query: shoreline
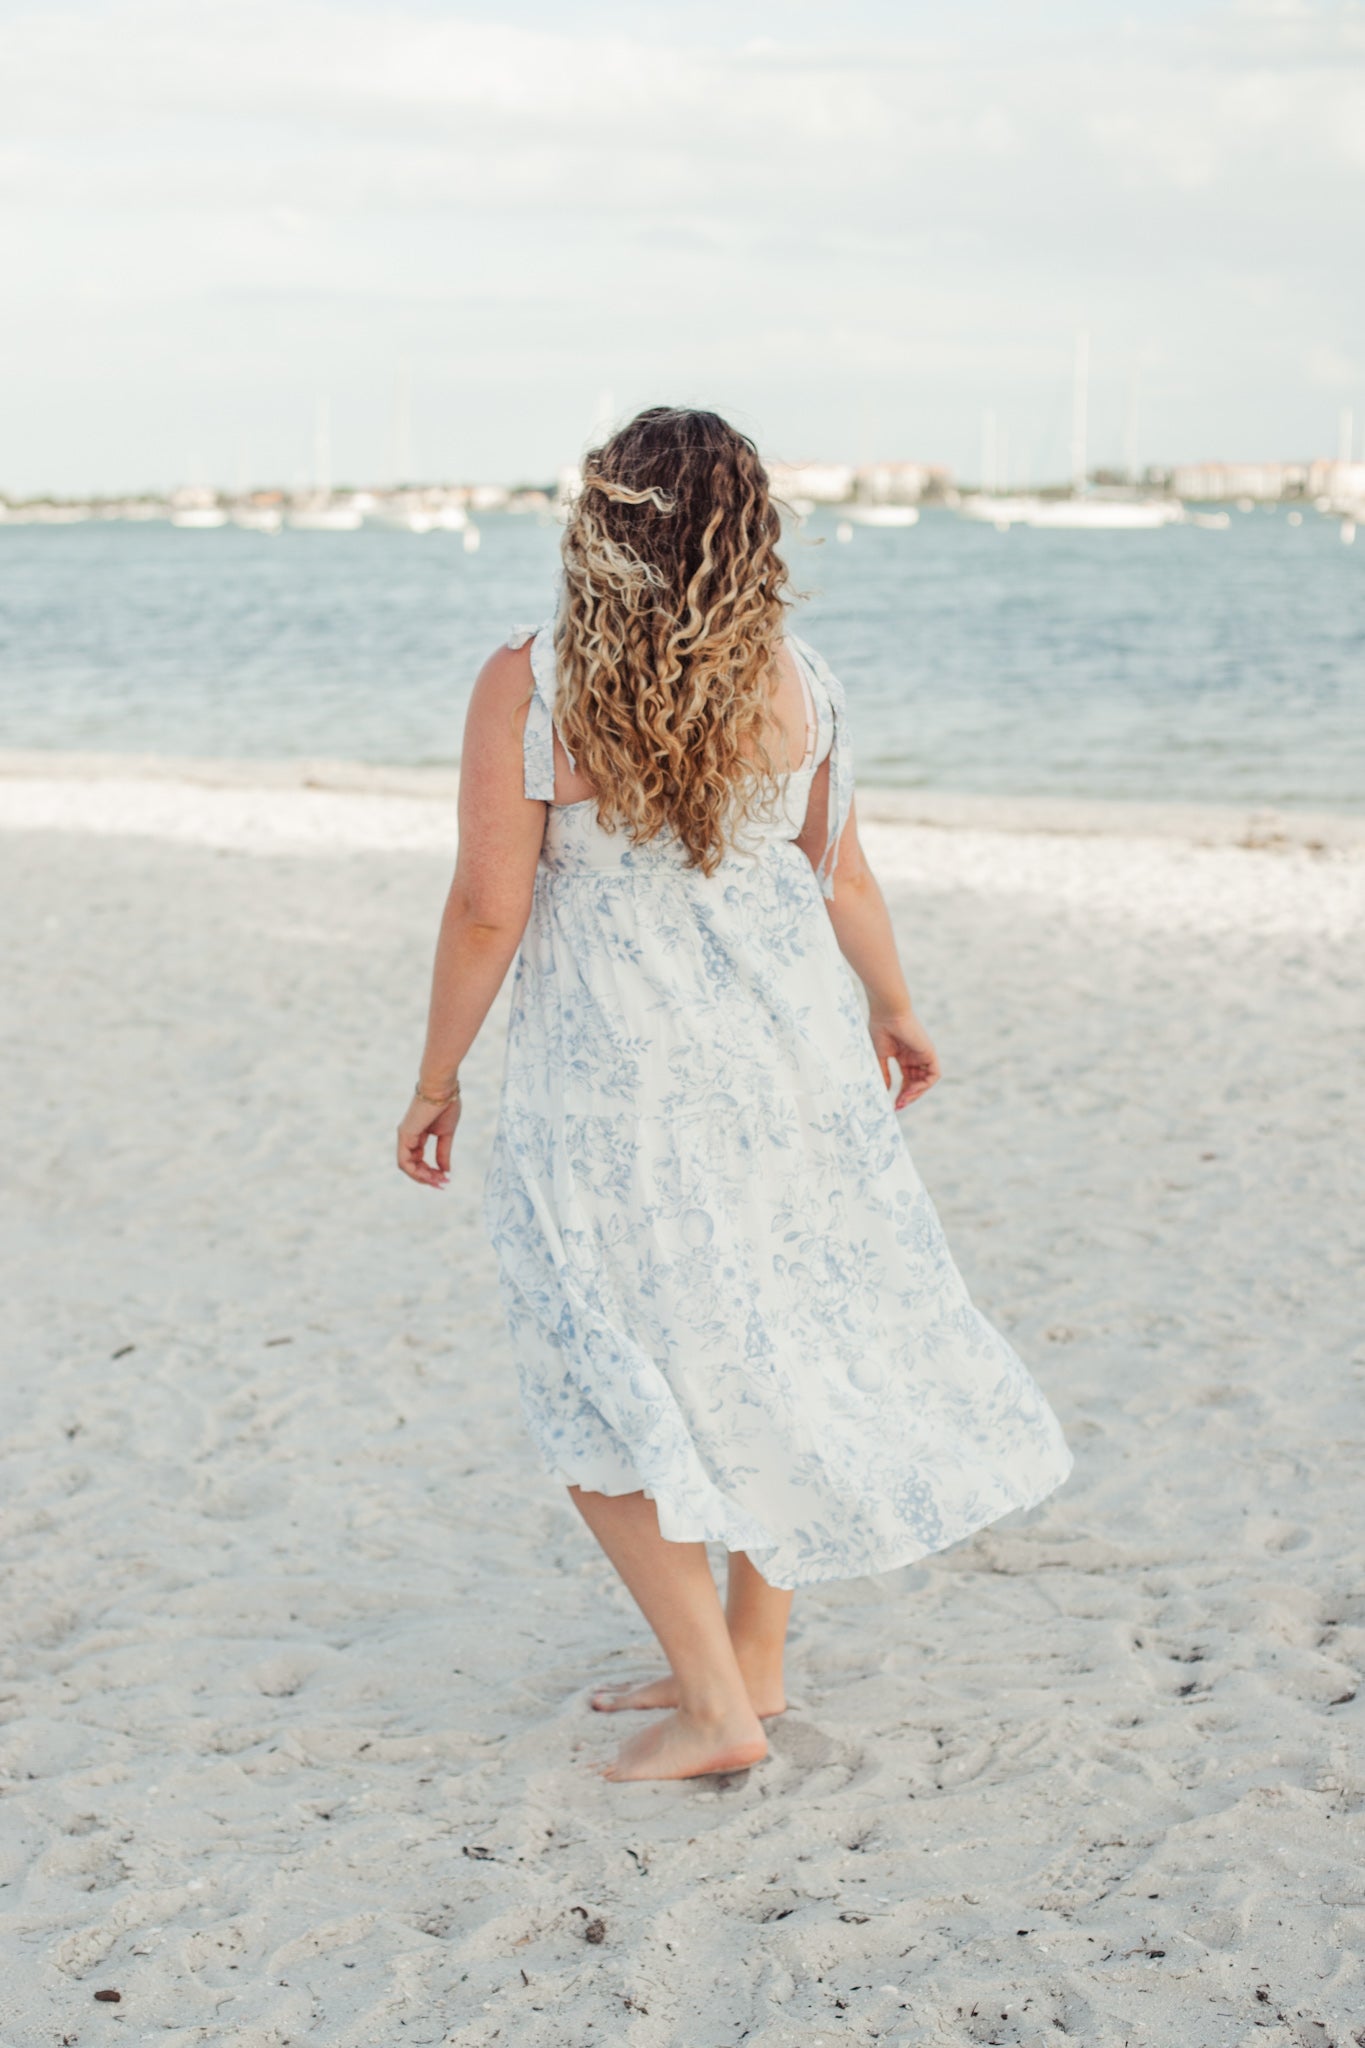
(1170, 868)
(1253, 827)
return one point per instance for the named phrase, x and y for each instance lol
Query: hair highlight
(672, 611)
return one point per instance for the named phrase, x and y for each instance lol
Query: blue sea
(1224, 667)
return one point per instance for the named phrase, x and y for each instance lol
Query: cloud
(1334, 369)
(317, 105)
(189, 186)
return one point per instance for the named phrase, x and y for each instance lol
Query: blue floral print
(724, 1281)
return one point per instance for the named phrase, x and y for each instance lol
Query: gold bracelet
(437, 1101)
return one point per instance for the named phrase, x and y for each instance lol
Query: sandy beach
(298, 1639)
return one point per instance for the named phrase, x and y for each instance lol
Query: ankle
(709, 1706)
(762, 1661)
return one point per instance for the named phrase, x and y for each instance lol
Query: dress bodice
(574, 836)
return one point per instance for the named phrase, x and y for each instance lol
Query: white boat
(326, 518)
(882, 515)
(1080, 511)
(258, 518)
(1094, 515)
(1076, 515)
(401, 518)
(991, 510)
(199, 515)
(406, 517)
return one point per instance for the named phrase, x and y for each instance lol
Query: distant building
(1258, 480)
(1341, 483)
(900, 483)
(871, 483)
(821, 483)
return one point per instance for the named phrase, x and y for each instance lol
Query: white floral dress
(724, 1281)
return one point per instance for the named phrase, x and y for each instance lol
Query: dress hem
(794, 1583)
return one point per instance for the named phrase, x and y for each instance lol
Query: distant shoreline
(1255, 826)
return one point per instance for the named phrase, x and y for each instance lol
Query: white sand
(298, 1637)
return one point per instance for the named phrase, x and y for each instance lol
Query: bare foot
(656, 1693)
(767, 1699)
(680, 1746)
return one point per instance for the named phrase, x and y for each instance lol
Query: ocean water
(1224, 667)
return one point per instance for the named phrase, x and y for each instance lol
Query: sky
(851, 228)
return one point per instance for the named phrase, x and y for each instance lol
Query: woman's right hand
(903, 1038)
(427, 1120)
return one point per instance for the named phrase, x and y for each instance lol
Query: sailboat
(1080, 511)
(195, 505)
(319, 510)
(1093, 514)
(407, 513)
(1002, 512)
(322, 514)
(258, 518)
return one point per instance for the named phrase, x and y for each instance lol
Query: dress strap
(840, 760)
(538, 738)
(812, 715)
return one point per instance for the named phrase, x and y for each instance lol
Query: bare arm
(487, 907)
(862, 926)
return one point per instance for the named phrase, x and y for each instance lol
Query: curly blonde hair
(672, 609)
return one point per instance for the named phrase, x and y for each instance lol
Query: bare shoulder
(507, 671)
(503, 687)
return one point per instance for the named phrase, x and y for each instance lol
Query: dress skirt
(724, 1281)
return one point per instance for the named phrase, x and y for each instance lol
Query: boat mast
(988, 462)
(1079, 403)
(322, 443)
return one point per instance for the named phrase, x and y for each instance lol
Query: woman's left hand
(902, 1038)
(424, 1120)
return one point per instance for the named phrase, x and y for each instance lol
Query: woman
(734, 1314)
